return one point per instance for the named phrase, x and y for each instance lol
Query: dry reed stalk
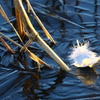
(30, 54)
(34, 35)
(6, 18)
(7, 46)
(21, 33)
(40, 23)
(20, 25)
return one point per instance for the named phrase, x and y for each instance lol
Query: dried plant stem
(20, 25)
(52, 54)
(7, 19)
(40, 23)
(27, 51)
(34, 34)
(6, 45)
(10, 40)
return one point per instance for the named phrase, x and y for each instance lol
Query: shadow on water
(67, 21)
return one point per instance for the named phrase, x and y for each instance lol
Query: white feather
(82, 56)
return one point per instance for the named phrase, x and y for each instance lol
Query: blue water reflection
(67, 21)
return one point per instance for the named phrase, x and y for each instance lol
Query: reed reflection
(88, 75)
(30, 86)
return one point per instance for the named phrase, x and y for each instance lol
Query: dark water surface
(67, 21)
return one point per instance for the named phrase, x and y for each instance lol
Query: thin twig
(33, 33)
(7, 19)
(27, 51)
(6, 45)
(40, 23)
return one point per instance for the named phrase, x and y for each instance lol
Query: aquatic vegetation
(82, 56)
(26, 28)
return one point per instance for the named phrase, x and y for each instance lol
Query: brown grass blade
(25, 19)
(34, 57)
(4, 14)
(33, 34)
(31, 55)
(40, 23)
(6, 45)
(20, 25)
(37, 59)
(7, 19)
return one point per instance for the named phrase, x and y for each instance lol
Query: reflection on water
(41, 88)
(64, 19)
(88, 75)
(31, 87)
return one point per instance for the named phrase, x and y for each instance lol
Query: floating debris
(82, 56)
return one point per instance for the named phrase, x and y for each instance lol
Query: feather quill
(82, 56)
